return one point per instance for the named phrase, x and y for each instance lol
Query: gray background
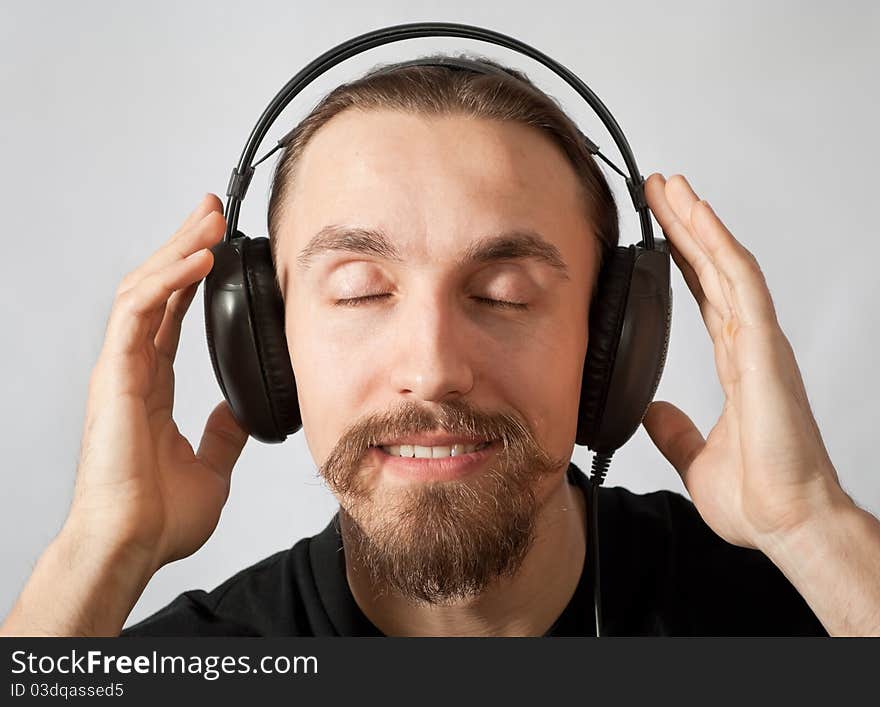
(117, 117)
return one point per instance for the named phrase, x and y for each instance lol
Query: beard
(439, 542)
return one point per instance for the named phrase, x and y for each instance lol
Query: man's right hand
(142, 497)
(139, 484)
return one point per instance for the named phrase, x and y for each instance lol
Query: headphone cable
(601, 463)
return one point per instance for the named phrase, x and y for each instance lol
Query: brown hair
(433, 90)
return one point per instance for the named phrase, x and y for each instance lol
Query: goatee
(438, 542)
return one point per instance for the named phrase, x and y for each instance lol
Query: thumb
(222, 440)
(674, 434)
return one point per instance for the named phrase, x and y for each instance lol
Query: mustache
(455, 417)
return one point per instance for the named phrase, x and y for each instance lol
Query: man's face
(429, 359)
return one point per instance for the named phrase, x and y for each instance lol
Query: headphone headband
(241, 175)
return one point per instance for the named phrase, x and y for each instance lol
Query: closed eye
(355, 301)
(500, 304)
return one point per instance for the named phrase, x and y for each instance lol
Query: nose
(433, 354)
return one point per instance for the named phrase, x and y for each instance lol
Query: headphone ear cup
(606, 320)
(630, 321)
(244, 326)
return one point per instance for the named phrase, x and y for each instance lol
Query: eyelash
(498, 304)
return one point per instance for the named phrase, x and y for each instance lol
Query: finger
(741, 278)
(750, 297)
(713, 322)
(168, 337)
(683, 199)
(682, 239)
(210, 202)
(202, 234)
(131, 317)
(675, 435)
(222, 441)
(711, 317)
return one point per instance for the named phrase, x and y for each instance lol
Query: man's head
(465, 213)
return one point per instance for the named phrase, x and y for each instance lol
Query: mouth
(415, 451)
(413, 463)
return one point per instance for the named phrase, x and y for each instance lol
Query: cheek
(545, 381)
(335, 367)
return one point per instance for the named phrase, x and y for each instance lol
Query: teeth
(410, 450)
(458, 449)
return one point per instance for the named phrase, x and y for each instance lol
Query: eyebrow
(507, 245)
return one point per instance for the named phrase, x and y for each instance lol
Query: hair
(437, 90)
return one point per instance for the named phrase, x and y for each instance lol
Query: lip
(441, 469)
(432, 440)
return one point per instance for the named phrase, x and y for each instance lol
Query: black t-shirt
(663, 572)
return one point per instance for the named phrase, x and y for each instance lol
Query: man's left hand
(763, 470)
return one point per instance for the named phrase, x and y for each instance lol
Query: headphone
(630, 313)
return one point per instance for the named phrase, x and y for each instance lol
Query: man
(437, 270)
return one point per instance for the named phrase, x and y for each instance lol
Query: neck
(526, 604)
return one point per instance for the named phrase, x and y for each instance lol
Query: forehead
(434, 182)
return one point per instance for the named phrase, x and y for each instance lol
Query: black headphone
(630, 314)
